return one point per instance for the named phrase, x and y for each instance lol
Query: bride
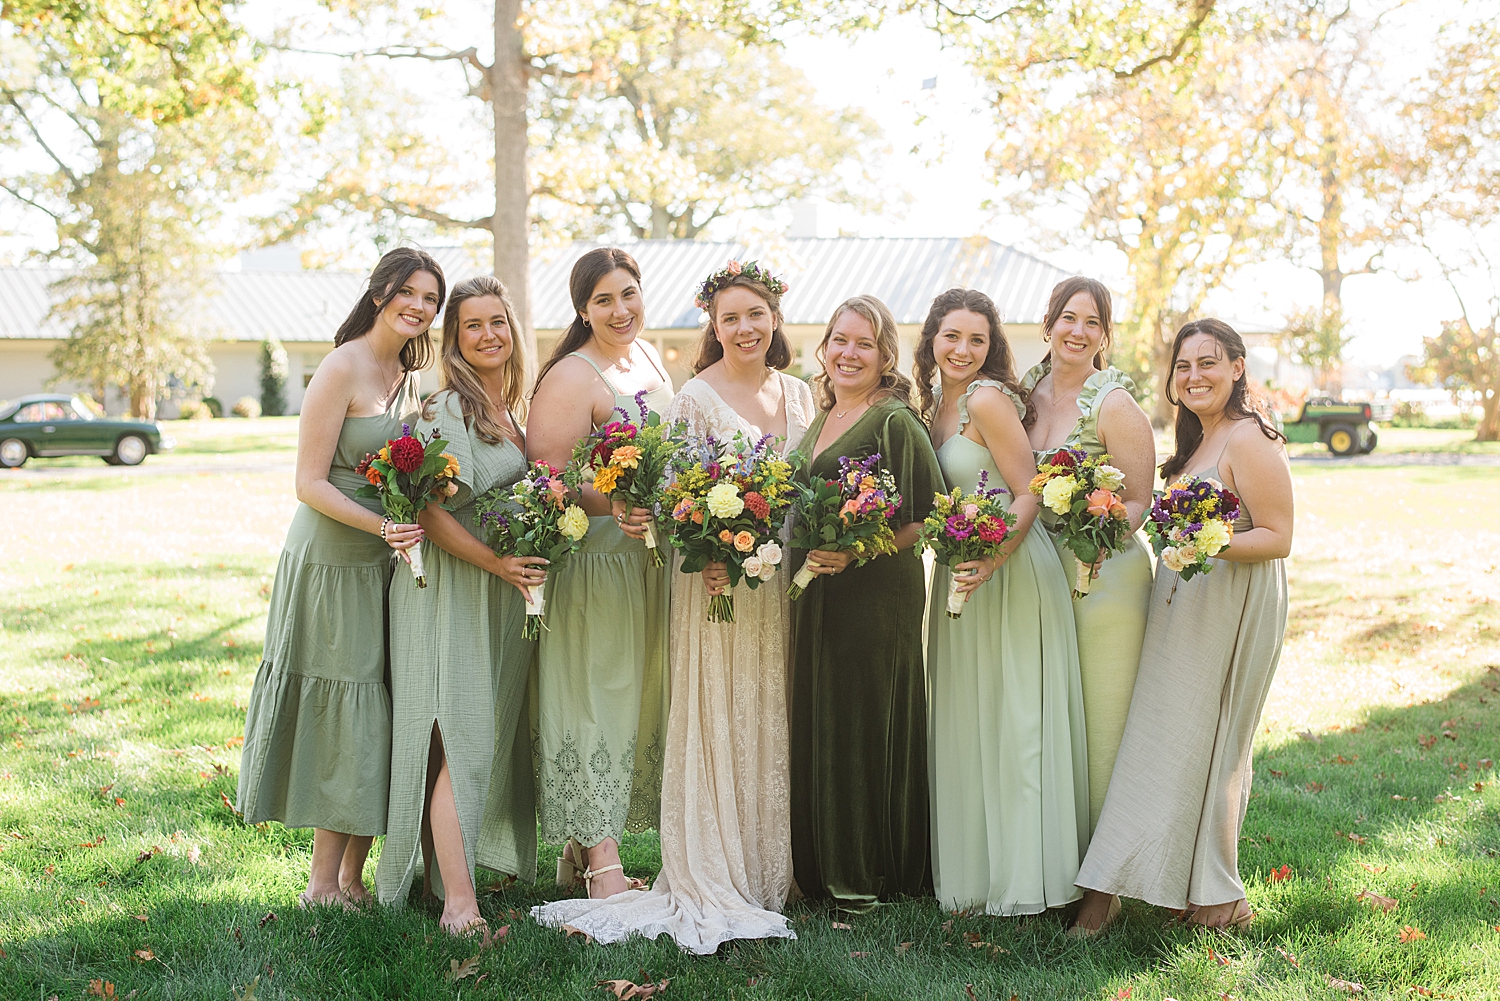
(725, 816)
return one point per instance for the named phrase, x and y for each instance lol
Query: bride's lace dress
(725, 816)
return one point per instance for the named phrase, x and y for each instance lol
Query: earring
(1047, 336)
(585, 321)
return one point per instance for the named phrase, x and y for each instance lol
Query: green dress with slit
(1010, 805)
(318, 726)
(602, 684)
(459, 661)
(858, 699)
(1111, 618)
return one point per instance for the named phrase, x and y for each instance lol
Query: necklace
(385, 379)
(840, 414)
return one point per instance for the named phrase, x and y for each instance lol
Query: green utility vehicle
(1344, 427)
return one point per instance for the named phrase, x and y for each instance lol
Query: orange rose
(697, 516)
(1117, 511)
(744, 542)
(726, 536)
(1100, 502)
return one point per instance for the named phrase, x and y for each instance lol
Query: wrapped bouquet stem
(533, 517)
(1082, 504)
(964, 527)
(405, 475)
(626, 460)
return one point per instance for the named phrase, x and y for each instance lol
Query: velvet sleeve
(906, 450)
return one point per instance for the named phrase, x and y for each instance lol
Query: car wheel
(13, 453)
(130, 450)
(1342, 440)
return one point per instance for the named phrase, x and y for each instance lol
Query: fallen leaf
(1279, 775)
(458, 970)
(1341, 760)
(230, 806)
(1358, 839)
(1375, 900)
(839, 925)
(140, 917)
(570, 931)
(148, 854)
(499, 935)
(858, 955)
(969, 990)
(1347, 986)
(1123, 994)
(101, 989)
(194, 854)
(1280, 875)
(1400, 797)
(902, 947)
(1309, 735)
(1410, 934)
(1221, 960)
(1485, 763)
(1314, 787)
(1376, 869)
(119, 801)
(626, 989)
(1479, 787)
(234, 742)
(266, 919)
(1450, 735)
(1289, 958)
(249, 993)
(145, 955)
(1427, 740)
(947, 926)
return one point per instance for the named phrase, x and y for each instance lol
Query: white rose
(767, 571)
(1058, 494)
(724, 501)
(753, 566)
(1172, 559)
(770, 553)
(1109, 477)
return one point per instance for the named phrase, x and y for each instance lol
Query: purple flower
(959, 528)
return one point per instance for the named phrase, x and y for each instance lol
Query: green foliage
(273, 373)
(1462, 358)
(1317, 338)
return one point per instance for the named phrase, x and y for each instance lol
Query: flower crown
(719, 279)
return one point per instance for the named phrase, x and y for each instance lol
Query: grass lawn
(131, 616)
(1400, 440)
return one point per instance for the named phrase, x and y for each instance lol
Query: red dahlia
(407, 454)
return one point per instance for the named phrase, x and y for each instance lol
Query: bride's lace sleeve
(686, 407)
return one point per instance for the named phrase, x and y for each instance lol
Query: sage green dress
(1111, 618)
(602, 689)
(458, 660)
(1169, 833)
(1008, 755)
(318, 726)
(858, 702)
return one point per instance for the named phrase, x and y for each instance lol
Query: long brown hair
(887, 340)
(999, 363)
(393, 271)
(459, 377)
(1058, 301)
(588, 271)
(778, 355)
(1243, 400)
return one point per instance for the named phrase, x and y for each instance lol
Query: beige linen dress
(1169, 831)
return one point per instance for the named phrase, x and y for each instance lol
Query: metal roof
(906, 273)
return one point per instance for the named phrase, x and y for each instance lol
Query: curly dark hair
(999, 364)
(1244, 401)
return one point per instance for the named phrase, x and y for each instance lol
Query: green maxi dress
(458, 660)
(1111, 618)
(858, 702)
(318, 727)
(1170, 830)
(602, 688)
(1008, 758)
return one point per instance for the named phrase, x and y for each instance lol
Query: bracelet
(385, 523)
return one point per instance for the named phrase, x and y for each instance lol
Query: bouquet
(532, 517)
(1190, 521)
(852, 513)
(963, 527)
(625, 460)
(405, 475)
(727, 504)
(1083, 495)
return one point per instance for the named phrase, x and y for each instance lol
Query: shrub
(247, 406)
(194, 410)
(273, 371)
(215, 405)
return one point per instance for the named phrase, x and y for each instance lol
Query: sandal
(569, 872)
(589, 875)
(478, 925)
(1079, 931)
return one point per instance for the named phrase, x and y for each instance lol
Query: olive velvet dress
(318, 728)
(858, 703)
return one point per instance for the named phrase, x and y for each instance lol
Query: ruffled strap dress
(1111, 618)
(1006, 734)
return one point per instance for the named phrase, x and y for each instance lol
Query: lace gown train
(725, 817)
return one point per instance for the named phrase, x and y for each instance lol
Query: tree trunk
(661, 223)
(510, 226)
(1489, 425)
(1161, 356)
(1331, 228)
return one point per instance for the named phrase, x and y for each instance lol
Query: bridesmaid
(1169, 832)
(1075, 401)
(1008, 757)
(318, 728)
(859, 708)
(725, 834)
(601, 666)
(459, 665)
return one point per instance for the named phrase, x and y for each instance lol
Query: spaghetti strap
(597, 371)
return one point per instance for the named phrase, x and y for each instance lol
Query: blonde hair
(887, 340)
(458, 376)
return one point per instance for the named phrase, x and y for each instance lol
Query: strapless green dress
(1008, 758)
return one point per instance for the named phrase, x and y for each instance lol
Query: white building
(272, 295)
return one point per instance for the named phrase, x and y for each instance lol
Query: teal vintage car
(49, 424)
